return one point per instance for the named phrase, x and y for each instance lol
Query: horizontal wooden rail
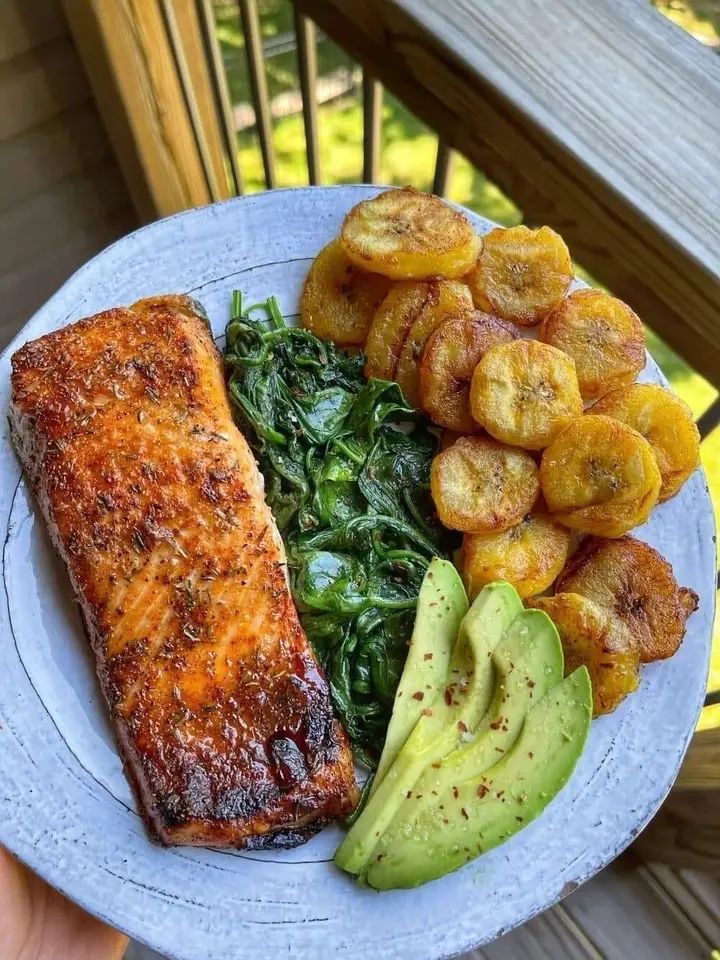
(605, 125)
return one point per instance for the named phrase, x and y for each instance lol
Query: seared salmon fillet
(155, 503)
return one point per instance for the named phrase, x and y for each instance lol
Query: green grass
(408, 156)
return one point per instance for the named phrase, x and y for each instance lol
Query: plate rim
(594, 864)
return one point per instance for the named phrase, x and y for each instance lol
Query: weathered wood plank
(625, 916)
(39, 84)
(26, 25)
(28, 229)
(24, 289)
(128, 59)
(50, 152)
(685, 833)
(617, 149)
(701, 767)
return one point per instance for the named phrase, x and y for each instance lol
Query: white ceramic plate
(65, 807)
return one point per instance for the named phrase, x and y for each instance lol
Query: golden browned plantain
(339, 300)
(521, 274)
(592, 637)
(529, 555)
(602, 335)
(479, 485)
(406, 234)
(633, 582)
(524, 393)
(450, 356)
(667, 424)
(447, 298)
(600, 476)
(393, 318)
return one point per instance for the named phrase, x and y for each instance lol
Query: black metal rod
(307, 64)
(372, 127)
(710, 419)
(258, 83)
(443, 167)
(221, 94)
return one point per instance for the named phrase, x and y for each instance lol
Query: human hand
(38, 923)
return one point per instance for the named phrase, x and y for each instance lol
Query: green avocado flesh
(474, 815)
(457, 709)
(442, 604)
(528, 662)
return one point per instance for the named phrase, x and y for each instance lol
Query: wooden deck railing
(595, 116)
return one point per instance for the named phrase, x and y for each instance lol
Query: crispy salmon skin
(155, 503)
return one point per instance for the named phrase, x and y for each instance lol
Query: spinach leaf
(346, 463)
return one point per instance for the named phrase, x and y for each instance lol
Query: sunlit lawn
(408, 156)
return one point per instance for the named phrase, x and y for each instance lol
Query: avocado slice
(528, 663)
(442, 603)
(475, 815)
(465, 699)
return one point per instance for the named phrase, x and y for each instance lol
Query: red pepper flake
(408, 794)
(462, 726)
(482, 790)
(418, 695)
(448, 695)
(445, 820)
(499, 749)
(496, 724)
(418, 796)
(435, 766)
(456, 792)
(499, 793)
(531, 683)
(428, 656)
(531, 755)
(427, 712)
(442, 806)
(464, 812)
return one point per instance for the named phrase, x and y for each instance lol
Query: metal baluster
(372, 127)
(223, 105)
(307, 64)
(443, 167)
(258, 83)
(173, 35)
(710, 419)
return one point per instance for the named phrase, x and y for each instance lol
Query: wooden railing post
(165, 134)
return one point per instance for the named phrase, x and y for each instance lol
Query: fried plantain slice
(521, 274)
(600, 476)
(447, 298)
(524, 393)
(630, 580)
(604, 337)
(407, 234)
(450, 356)
(667, 424)
(479, 485)
(393, 317)
(593, 637)
(339, 300)
(529, 555)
